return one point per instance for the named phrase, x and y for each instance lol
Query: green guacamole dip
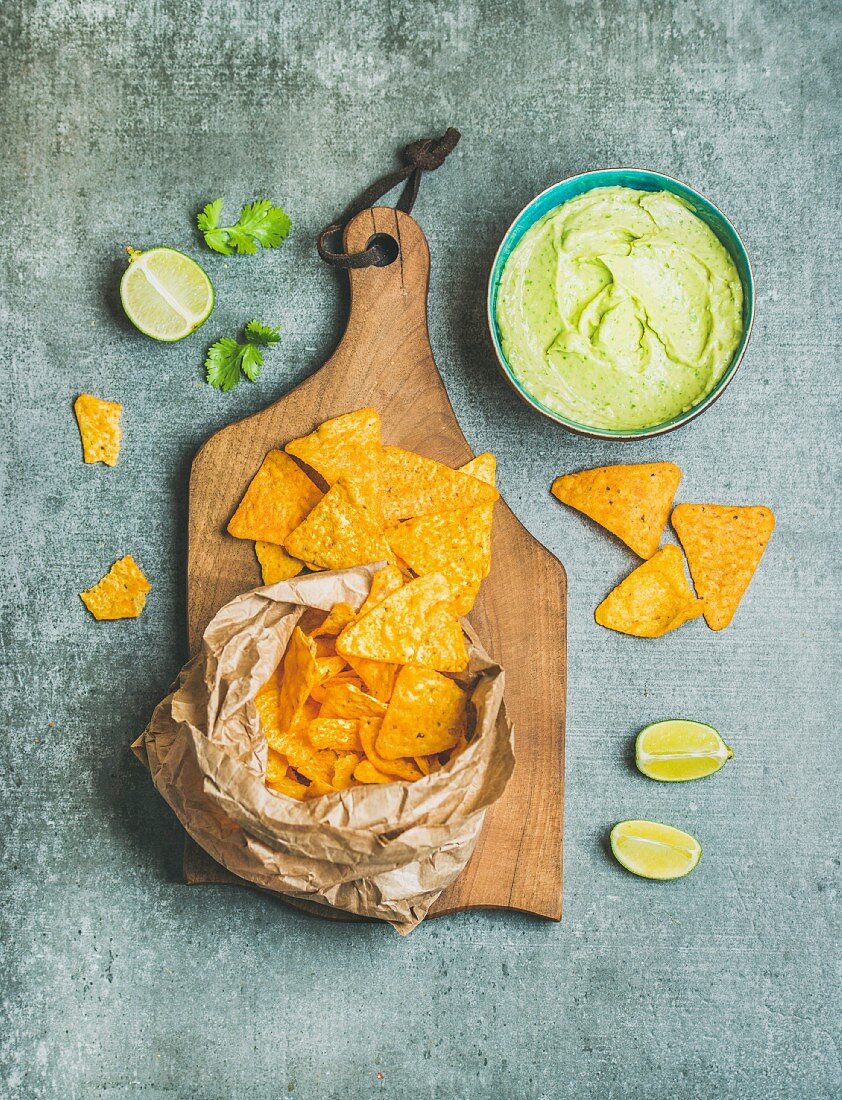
(619, 309)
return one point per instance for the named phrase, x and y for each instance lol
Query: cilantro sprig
(260, 225)
(228, 360)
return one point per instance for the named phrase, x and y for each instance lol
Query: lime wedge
(678, 750)
(652, 850)
(165, 294)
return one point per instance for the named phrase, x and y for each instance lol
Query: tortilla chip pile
(362, 697)
(723, 545)
(379, 504)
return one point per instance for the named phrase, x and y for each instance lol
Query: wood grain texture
(384, 360)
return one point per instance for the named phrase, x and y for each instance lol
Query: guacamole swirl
(619, 309)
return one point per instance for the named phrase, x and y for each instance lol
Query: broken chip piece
(631, 501)
(378, 676)
(298, 675)
(365, 772)
(289, 738)
(343, 770)
(338, 617)
(724, 545)
(121, 594)
(276, 767)
(652, 600)
(339, 734)
(99, 427)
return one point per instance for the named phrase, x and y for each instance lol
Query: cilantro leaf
(227, 360)
(263, 335)
(260, 225)
(251, 360)
(209, 217)
(222, 365)
(238, 241)
(267, 224)
(217, 239)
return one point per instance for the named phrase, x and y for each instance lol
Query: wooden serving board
(384, 360)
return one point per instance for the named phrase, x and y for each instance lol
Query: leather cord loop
(424, 155)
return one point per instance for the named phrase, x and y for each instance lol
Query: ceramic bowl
(641, 180)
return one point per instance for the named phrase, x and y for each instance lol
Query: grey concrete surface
(118, 122)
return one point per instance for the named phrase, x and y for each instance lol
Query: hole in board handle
(387, 246)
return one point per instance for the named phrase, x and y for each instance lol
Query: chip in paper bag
(286, 765)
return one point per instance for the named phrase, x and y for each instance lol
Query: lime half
(678, 750)
(165, 294)
(652, 850)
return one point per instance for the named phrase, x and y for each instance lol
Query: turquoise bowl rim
(642, 179)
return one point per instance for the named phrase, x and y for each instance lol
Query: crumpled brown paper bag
(384, 851)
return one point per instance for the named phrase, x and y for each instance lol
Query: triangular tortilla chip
(298, 675)
(279, 497)
(403, 769)
(456, 544)
(416, 486)
(378, 676)
(427, 714)
(345, 700)
(343, 770)
(337, 534)
(724, 546)
(652, 600)
(290, 740)
(121, 594)
(330, 667)
(347, 447)
(276, 767)
(338, 617)
(484, 467)
(415, 625)
(99, 427)
(384, 582)
(339, 734)
(275, 563)
(632, 502)
(349, 676)
(365, 772)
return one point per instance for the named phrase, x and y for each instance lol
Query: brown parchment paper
(384, 851)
